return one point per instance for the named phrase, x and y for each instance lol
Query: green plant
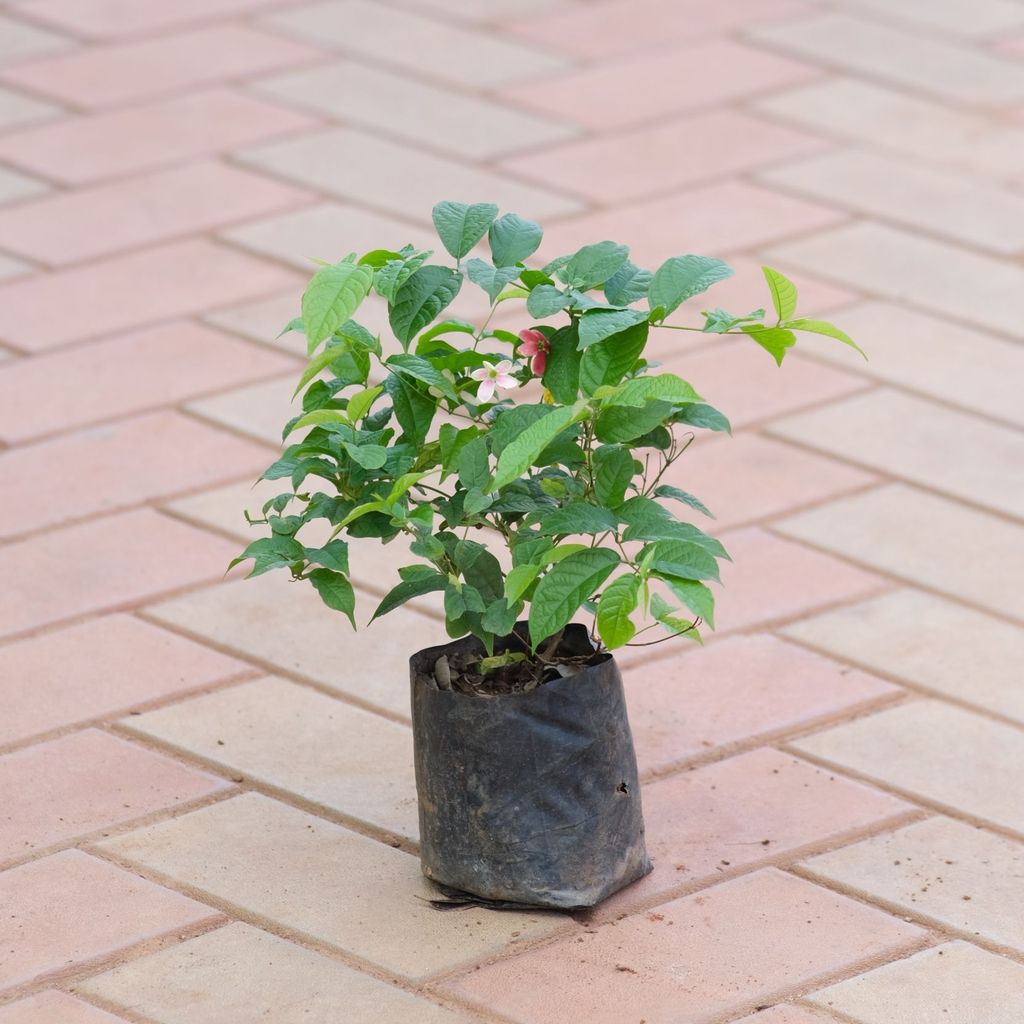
(429, 441)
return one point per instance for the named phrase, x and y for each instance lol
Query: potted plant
(524, 469)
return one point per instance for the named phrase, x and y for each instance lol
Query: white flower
(491, 377)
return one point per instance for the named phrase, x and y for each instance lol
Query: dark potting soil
(460, 670)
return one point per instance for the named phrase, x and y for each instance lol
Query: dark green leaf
(610, 360)
(594, 264)
(665, 491)
(333, 555)
(512, 422)
(521, 453)
(472, 464)
(427, 582)
(702, 415)
(500, 619)
(335, 591)
(513, 239)
(423, 370)
(681, 277)
(413, 410)
(562, 371)
(620, 424)
(421, 299)
(598, 324)
(546, 300)
(614, 470)
(460, 226)
(390, 278)
(577, 517)
(480, 569)
(627, 285)
(369, 456)
(492, 279)
(270, 553)
(683, 558)
(569, 583)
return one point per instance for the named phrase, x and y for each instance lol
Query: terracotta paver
(957, 875)
(286, 736)
(53, 1005)
(956, 980)
(130, 72)
(245, 851)
(853, 727)
(743, 689)
(83, 782)
(723, 949)
(100, 667)
(244, 973)
(72, 908)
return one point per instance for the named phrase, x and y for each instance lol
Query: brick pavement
(195, 824)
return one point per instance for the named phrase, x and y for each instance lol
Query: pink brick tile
(683, 151)
(787, 1015)
(95, 146)
(18, 110)
(102, 667)
(102, 76)
(129, 373)
(140, 288)
(716, 219)
(743, 381)
(116, 465)
(72, 908)
(20, 41)
(68, 787)
(624, 26)
(748, 478)
(724, 949)
(742, 813)
(74, 226)
(102, 565)
(771, 578)
(685, 78)
(102, 18)
(739, 690)
(53, 1007)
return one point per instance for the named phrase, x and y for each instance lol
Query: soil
(459, 669)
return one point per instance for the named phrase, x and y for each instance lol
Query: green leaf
(335, 591)
(560, 593)
(665, 491)
(825, 328)
(512, 422)
(500, 619)
(512, 239)
(696, 596)
(663, 613)
(359, 404)
(332, 296)
(607, 362)
(488, 665)
(428, 291)
(452, 441)
(472, 464)
(318, 363)
(333, 555)
(460, 226)
(577, 517)
(700, 414)
(491, 279)
(481, 570)
(783, 293)
(518, 580)
(520, 454)
(683, 558)
(413, 410)
(394, 274)
(718, 321)
(618, 602)
(594, 264)
(377, 258)
(369, 456)
(445, 327)
(774, 340)
(546, 300)
(598, 324)
(425, 583)
(665, 387)
(475, 502)
(423, 370)
(618, 425)
(562, 370)
(627, 285)
(681, 277)
(614, 470)
(270, 553)
(322, 418)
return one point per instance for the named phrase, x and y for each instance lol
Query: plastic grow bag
(529, 798)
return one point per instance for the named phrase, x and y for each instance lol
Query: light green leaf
(491, 279)
(627, 285)
(783, 293)
(425, 583)
(663, 613)
(520, 454)
(607, 362)
(825, 328)
(369, 456)
(560, 593)
(683, 558)
(598, 324)
(616, 425)
(460, 226)
(618, 601)
(335, 591)
(333, 555)
(774, 340)
(488, 665)
(696, 596)
(359, 404)
(518, 581)
(270, 553)
(318, 364)
(512, 239)
(718, 321)
(681, 277)
(665, 387)
(422, 370)
(594, 264)
(322, 418)
(546, 300)
(332, 296)
(395, 273)
(475, 502)
(427, 292)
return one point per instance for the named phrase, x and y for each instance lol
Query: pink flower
(491, 377)
(536, 344)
